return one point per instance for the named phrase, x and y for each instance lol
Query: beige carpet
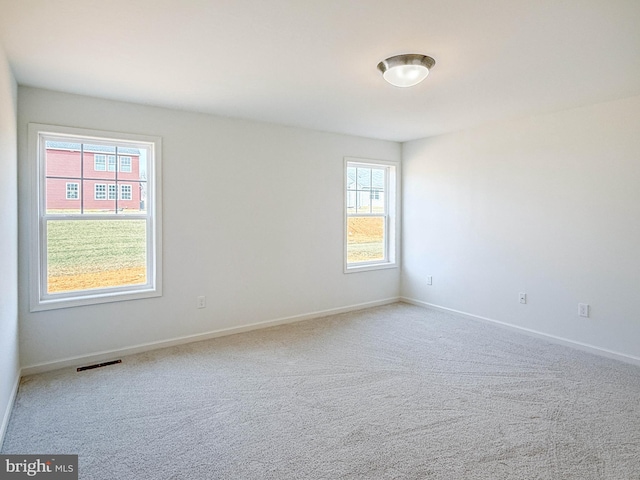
(391, 392)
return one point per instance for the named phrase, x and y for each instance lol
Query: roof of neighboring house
(91, 148)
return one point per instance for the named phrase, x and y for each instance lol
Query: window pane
(132, 198)
(364, 202)
(62, 196)
(62, 159)
(96, 197)
(377, 201)
(87, 254)
(365, 239)
(364, 178)
(377, 178)
(134, 181)
(351, 178)
(99, 161)
(351, 202)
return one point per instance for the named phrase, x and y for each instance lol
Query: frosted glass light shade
(406, 70)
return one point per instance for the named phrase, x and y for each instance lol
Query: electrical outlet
(583, 310)
(202, 301)
(429, 280)
(523, 297)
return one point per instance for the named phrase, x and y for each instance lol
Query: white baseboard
(112, 354)
(9, 409)
(603, 352)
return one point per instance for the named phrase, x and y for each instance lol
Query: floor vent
(97, 365)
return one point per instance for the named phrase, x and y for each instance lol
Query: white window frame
(76, 191)
(103, 161)
(392, 217)
(130, 187)
(112, 191)
(111, 163)
(39, 298)
(126, 163)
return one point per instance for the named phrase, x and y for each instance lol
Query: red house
(85, 178)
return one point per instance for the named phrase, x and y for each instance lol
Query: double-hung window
(92, 245)
(371, 217)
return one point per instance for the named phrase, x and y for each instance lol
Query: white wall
(9, 364)
(252, 219)
(547, 205)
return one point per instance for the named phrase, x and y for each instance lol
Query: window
(100, 191)
(107, 163)
(125, 164)
(72, 191)
(99, 248)
(100, 163)
(371, 199)
(125, 192)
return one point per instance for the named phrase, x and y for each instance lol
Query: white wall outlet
(429, 280)
(202, 301)
(583, 309)
(523, 297)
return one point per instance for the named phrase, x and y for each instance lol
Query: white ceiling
(312, 63)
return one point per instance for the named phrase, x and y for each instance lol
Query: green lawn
(90, 246)
(365, 252)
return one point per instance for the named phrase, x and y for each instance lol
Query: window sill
(84, 300)
(369, 267)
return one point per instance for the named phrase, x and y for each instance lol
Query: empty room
(304, 239)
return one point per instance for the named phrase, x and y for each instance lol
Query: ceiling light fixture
(406, 70)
